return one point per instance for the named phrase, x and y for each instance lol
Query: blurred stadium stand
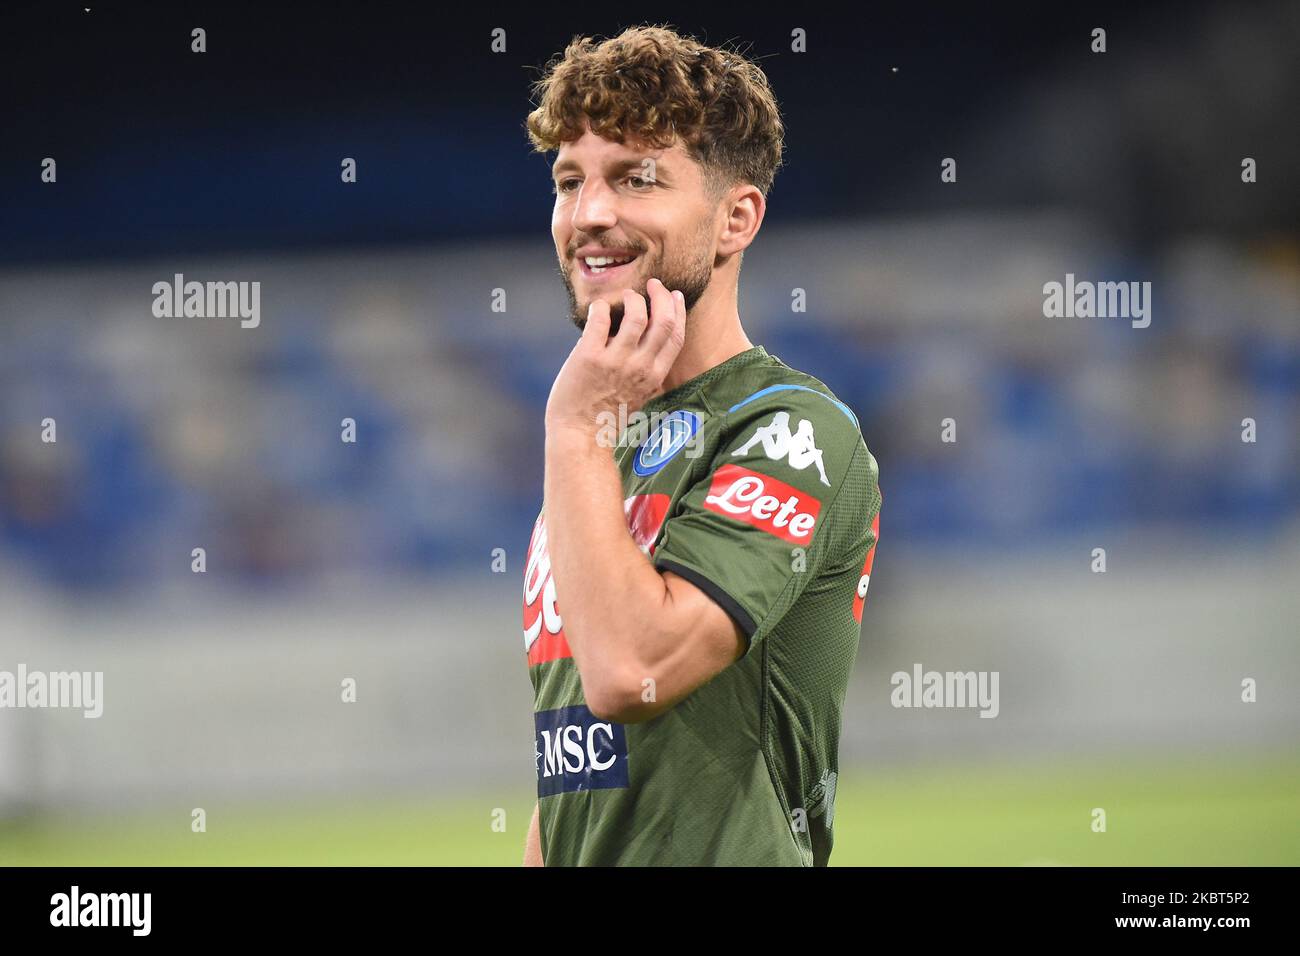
(185, 432)
(373, 559)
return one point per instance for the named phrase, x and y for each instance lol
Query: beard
(690, 277)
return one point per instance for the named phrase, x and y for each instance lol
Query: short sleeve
(757, 528)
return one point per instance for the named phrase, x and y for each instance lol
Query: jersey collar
(721, 370)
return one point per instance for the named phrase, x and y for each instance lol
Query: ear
(743, 207)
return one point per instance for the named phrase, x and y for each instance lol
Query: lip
(608, 273)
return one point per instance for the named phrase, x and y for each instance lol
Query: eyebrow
(615, 166)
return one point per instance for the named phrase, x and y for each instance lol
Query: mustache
(631, 250)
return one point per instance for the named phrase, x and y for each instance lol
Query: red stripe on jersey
(544, 638)
(860, 599)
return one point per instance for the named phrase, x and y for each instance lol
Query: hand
(628, 369)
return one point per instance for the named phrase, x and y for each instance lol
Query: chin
(615, 315)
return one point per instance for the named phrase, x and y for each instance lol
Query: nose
(594, 211)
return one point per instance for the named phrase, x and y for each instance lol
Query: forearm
(609, 589)
(533, 843)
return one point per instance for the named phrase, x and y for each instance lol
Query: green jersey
(751, 481)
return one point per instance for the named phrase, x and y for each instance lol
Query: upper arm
(691, 641)
(746, 539)
(771, 512)
(711, 641)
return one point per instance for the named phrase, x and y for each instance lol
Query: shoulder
(771, 387)
(795, 422)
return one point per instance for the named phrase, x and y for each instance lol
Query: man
(694, 587)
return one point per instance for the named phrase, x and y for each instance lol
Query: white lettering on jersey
(538, 581)
(801, 447)
(566, 742)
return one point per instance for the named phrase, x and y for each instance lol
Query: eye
(640, 183)
(563, 186)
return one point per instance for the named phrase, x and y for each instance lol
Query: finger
(665, 358)
(633, 322)
(676, 331)
(663, 313)
(596, 330)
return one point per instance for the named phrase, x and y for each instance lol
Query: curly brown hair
(651, 85)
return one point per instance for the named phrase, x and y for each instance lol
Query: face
(625, 215)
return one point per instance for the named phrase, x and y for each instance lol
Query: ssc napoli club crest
(544, 638)
(670, 437)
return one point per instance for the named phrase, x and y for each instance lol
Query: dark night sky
(161, 149)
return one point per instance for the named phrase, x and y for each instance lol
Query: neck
(713, 335)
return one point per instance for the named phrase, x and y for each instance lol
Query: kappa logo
(800, 448)
(822, 799)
